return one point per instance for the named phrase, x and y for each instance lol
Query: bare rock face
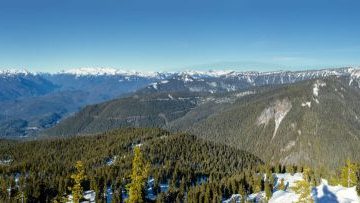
(276, 111)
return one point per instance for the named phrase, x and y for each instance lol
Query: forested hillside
(154, 110)
(314, 122)
(42, 169)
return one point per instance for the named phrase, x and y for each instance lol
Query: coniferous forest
(124, 160)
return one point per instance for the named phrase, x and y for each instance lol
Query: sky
(153, 35)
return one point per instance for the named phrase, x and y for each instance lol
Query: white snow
(88, 195)
(5, 161)
(212, 84)
(316, 88)
(171, 97)
(241, 94)
(277, 111)
(111, 161)
(107, 71)
(234, 198)
(187, 78)
(10, 72)
(255, 197)
(283, 196)
(324, 193)
(327, 193)
(154, 85)
(308, 104)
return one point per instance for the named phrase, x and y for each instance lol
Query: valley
(205, 137)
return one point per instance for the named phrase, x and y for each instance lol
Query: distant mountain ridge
(314, 122)
(58, 95)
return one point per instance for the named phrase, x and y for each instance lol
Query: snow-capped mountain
(227, 81)
(63, 93)
(107, 72)
(13, 72)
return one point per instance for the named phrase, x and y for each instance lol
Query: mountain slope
(107, 159)
(135, 111)
(22, 84)
(54, 97)
(315, 122)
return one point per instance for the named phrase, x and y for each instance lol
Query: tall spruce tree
(268, 189)
(139, 174)
(78, 177)
(348, 174)
(303, 187)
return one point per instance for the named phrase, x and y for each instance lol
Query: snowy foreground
(323, 193)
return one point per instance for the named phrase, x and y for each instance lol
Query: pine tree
(78, 177)
(268, 190)
(139, 174)
(94, 186)
(116, 197)
(348, 174)
(21, 196)
(160, 198)
(281, 184)
(3, 189)
(256, 183)
(303, 187)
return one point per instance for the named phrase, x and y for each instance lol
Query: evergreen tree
(268, 190)
(78, 177)
(281, 185)
(303, 188)
(160, 198)
(348, 174)
(116, 197)
(256, 183)
(139, 174)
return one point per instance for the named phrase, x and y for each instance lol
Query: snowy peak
(107, 72)
(14, 72)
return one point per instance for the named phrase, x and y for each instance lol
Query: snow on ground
(308, 104)
(5, 161)
(316, 88)
(283, 196)
(154, 85)
(111, 161)
(277, 111)
(255, 197)
(324, 193)
(327, 193)
(88, 195)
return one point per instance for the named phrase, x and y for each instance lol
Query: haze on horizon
(160, 35)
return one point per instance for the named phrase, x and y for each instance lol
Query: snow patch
(242, 94)
(308, 104)
(316, 88)
(154, 85)
(323, 193)
(111, 161)
(212, 84)
(6, 161)
(14, 72)
(277, 111)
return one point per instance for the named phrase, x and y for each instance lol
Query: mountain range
(32, 102)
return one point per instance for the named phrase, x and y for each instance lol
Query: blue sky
(50, 35)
